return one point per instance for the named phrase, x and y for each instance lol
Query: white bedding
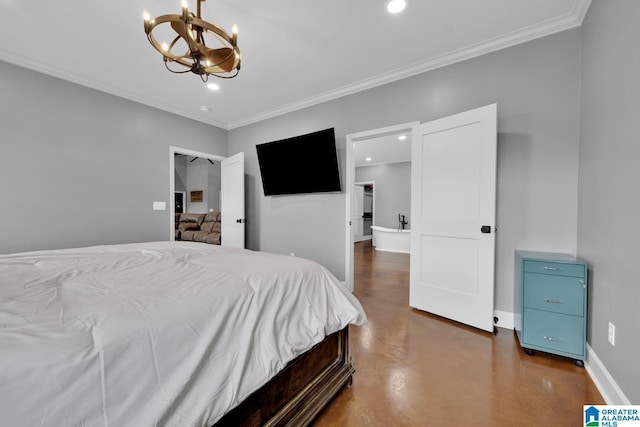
(167, 333)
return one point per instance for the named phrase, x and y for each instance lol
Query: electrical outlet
(612, 334)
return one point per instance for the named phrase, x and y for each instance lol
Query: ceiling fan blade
(196, 158)
(222, 58)
(183, 31)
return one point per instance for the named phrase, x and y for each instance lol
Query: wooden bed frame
(298, 393)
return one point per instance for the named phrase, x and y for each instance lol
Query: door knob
(485, 229)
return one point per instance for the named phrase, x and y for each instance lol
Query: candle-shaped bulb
(185, 11)
(234, 34)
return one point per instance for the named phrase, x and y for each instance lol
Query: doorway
(363, 210)
(179, 199)
(381, 142)
(180, 196)
(231, 194)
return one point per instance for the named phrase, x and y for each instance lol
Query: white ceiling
(383, 149)
(294, 53)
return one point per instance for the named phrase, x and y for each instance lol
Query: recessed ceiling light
(368, 159)
(402, 137)
(213, 86)
(205, 109)
(396, 6)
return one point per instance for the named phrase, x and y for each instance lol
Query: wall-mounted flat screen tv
(302, 164)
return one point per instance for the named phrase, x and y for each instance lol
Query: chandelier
(196, 46)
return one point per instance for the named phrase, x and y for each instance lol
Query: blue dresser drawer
(554, 268)
(554, 332)
(558, 294)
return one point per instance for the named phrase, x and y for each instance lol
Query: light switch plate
(159, 206)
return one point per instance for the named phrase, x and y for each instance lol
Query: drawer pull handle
(554, 269)
(551, 338)
(553, 301)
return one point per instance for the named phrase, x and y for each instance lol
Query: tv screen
(302, 164)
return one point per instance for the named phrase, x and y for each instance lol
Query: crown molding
(562, 23)
(580, 9)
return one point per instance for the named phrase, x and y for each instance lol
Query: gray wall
(392, 191)
(205, 176)
(79, 167)
(609, 201)
(536, 86)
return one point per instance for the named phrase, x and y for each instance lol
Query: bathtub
(391, 239)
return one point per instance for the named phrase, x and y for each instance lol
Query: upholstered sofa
(194, 227)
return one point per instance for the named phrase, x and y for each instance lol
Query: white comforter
(167, 334)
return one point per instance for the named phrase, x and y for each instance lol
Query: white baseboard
(505, 319)
(606, 385)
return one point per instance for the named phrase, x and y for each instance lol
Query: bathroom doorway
(369, 154)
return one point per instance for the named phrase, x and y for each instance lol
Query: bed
(170, 334)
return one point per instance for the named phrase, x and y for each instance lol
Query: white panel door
(232, 201)
(453, 183)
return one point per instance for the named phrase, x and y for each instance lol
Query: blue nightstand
(551, 303)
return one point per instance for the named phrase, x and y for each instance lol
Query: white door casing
(232, 201)
(453, 195)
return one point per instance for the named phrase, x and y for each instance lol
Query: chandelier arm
(214, 28)
(222, 76)
(183, 30)
(166, 65)
(168, 55)
(177, 57)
